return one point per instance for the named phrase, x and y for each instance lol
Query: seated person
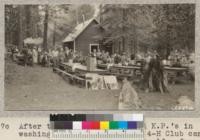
(98, 54)
(177, 63)
(117, 59)
(132, 56)
(192, 70)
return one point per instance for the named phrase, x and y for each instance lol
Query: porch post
(74, 45)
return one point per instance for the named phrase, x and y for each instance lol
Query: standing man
(55, 56)
(25, 54)
(39, 55)
(61, 55)
(30, 57)
(67, 51)
(158, 77)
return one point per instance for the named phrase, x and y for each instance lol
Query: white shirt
(55, 53)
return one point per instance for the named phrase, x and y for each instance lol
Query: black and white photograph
(99, 57)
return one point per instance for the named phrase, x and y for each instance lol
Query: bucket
(91, 63)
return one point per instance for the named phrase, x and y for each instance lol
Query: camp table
(102, 66)
(83, 70)
(173, 72)
(80, 69)
(125, 71)
(72, 77)
(66, 66)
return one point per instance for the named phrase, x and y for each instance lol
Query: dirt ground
(39, 88)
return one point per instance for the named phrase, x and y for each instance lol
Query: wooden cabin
(85, 37)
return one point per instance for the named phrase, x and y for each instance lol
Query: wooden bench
(73, 78)
(121, 72)
(172, 73)
(79, 80)
(130, 72)
(67, 68)
(102, 66)
(62, 71)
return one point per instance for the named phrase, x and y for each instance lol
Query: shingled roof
(78, 30)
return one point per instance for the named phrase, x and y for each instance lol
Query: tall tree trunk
(123, 28)
(34, 21)
(135, 43)
(100, 13)
(21, 32)
(28, 21)
(168, 33)
(54, 34)
(45, 28)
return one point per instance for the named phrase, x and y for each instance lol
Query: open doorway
(109, 49)
(69, 45)
(94, 47)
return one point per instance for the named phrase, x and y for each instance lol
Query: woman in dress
(35, 56)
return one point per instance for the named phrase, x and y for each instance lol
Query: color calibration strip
(97, 122)
(96, 125)
(97, 117)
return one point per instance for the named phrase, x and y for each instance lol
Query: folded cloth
(77, 65)
(94, 81)
(111, 82)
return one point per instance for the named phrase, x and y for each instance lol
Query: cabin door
(94, 47)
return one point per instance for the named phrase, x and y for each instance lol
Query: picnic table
(102, 66)
(126, 71)
(122, 71)
(67, 67)
(79, 68)
(79, 74)
(133, 71)
(136, 70)
(173, 73)
(176, 69)
(136, 67)
(108, 66)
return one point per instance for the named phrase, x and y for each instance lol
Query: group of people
(176, 58)
(152, 64)
(31, 55)
(51, 57)
(181, 58)
(104, 57)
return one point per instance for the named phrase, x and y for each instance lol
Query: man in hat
(157, 73)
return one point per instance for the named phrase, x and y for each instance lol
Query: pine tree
(45, 28)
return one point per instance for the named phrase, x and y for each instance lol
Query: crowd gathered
(176, 58)
(51, 57)
(151, 62)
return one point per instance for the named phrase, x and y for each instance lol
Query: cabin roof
(78, 30)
